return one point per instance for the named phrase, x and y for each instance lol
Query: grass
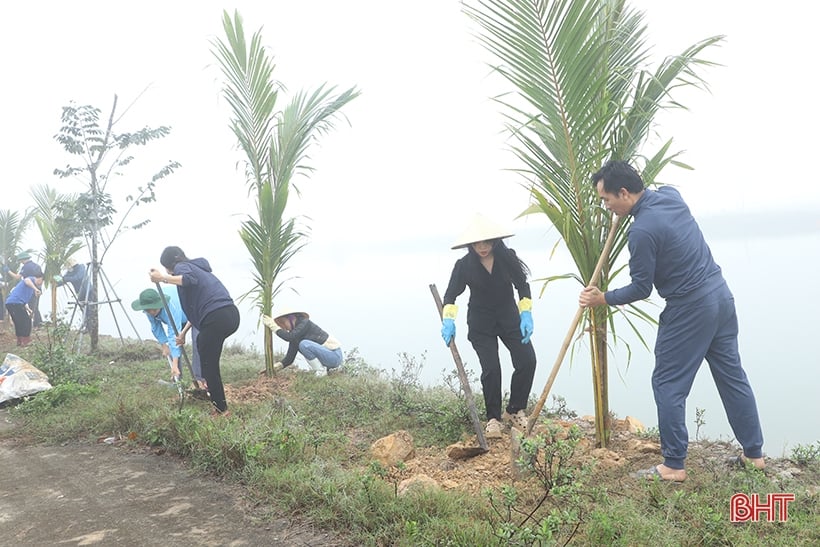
(305, 450)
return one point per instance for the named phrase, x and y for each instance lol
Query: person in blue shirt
(150, 303)
(78, 275)
(17, 306)
(668, 251)
(209, 308)
(29, 268)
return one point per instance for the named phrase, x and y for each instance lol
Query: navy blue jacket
(201, 292)
(79, 279)
(667, 250)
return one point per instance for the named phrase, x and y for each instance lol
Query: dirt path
(106, 495)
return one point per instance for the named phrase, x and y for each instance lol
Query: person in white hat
(492, 270)
(322, 351)
(79, 277)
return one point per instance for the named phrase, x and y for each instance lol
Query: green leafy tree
(584, 94)
(275, 143)
(102, 154)
(60, 242)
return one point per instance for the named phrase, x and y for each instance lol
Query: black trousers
(485, 343)
(215, 328)
(21, 319)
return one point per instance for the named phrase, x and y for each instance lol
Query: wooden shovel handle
(462, 376)
(596, 275)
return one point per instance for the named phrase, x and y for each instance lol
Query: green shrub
(46, 401)
(57, 359)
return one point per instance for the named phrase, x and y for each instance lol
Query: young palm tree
(275, 143)
(583, 95)
(59, 242)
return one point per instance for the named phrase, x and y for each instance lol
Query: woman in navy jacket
(208, 307)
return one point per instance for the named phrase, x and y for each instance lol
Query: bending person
(322, 351)
(77, 274)
(668, 250)
(150, 303)
(18, 308)
(209, 309)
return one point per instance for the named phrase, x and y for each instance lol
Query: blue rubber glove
(526, 326)
(448, 330)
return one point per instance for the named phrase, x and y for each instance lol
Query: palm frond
(307, 116)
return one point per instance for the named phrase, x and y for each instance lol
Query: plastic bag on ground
(19, 378)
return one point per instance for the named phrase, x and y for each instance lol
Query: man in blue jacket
(667, 250)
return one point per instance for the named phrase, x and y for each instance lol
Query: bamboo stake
(596, 274)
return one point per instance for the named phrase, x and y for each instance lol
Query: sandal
(740, 462)
(653, 472)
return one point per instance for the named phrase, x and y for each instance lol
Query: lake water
(386, 308)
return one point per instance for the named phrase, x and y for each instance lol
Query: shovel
(197, 391)
(465, 386)
(177, 383)
(596, 274)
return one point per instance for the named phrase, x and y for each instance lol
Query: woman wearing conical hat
(321, 350)
(491, 270)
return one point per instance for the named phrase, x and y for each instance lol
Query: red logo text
(744, 508)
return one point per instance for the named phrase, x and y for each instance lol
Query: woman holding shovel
(163, 325)
(208, 307)
(492, 270)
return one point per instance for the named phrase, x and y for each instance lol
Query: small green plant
(649, 433)
(700, 421)
(546, 457)
(806, 454)
(559, 409)
(56, 359)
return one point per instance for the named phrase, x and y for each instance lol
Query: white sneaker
(320, 372)
(493, 429)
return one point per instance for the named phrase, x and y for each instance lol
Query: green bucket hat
(24, 256)
(149, 300)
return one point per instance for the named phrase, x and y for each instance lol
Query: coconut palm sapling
(583, 93)
(275, 144)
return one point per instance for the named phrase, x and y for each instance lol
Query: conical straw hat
(480, 228)
(280, 314)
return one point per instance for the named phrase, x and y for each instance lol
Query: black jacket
(305, 329)
(491, 294)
